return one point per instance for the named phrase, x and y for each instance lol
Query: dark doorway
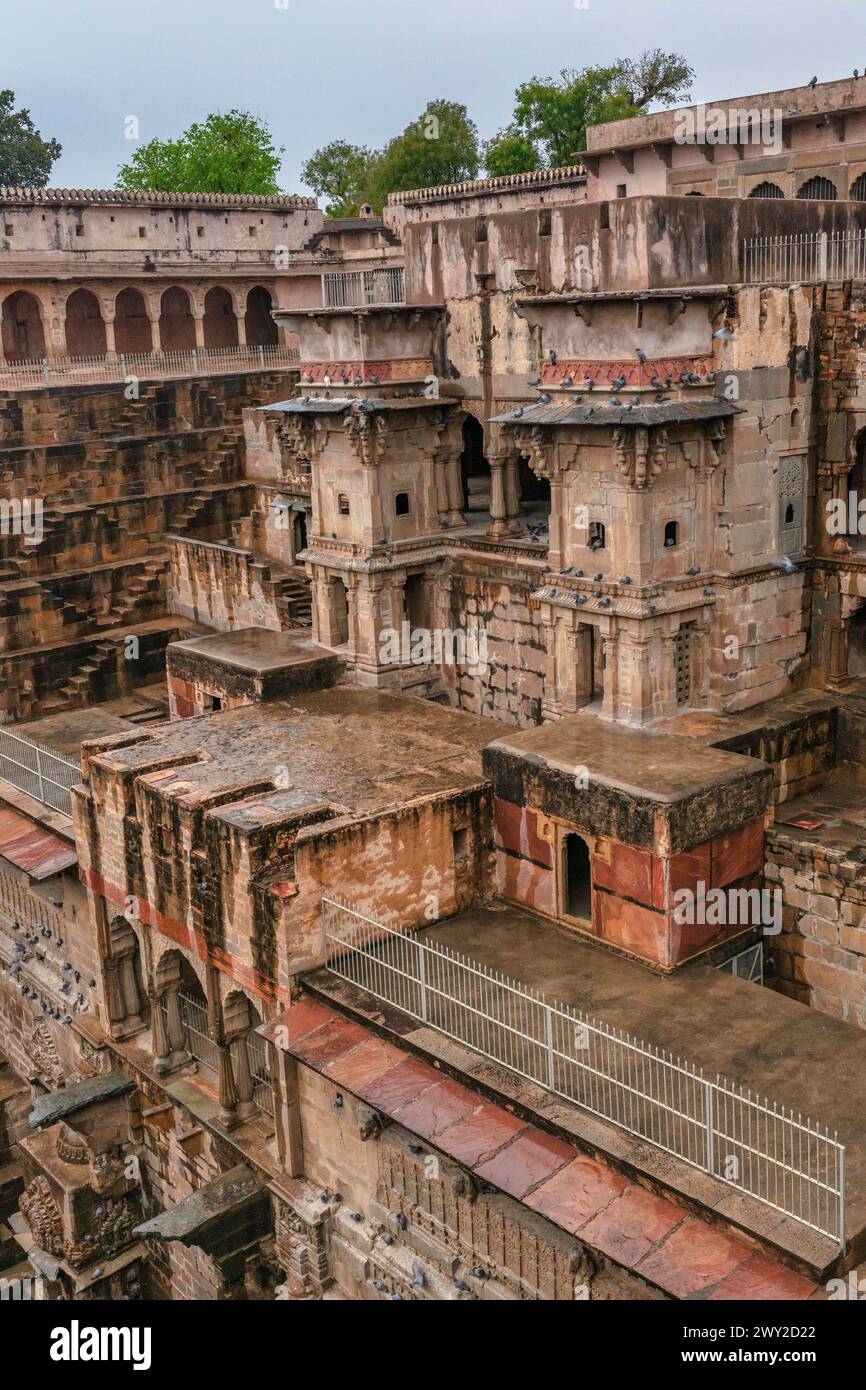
(576, 878)
(474, 468)
(85, 331)
(260, 327)
(132, 331)
(176, 323)
(23, 335)
(220, 324)
(299, 532)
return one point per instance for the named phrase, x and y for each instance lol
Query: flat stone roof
(640, 762)
(255, 648)
(364, 750)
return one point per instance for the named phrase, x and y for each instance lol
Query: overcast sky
(318, 70)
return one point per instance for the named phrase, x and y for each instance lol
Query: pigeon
(657, 383)
(552, 357)
(684, 378)
(635, 400)
(568, 381)
(626, 579)
(724, 334)
(640, 355)
(694, 379)
(660, 399)
(617, 384)
(695, 569)
(588, 382)
(616, 402)
(814, 82)
(517, 414)
(536, 381)
(544, 399)
(711, 376)
(786, 564)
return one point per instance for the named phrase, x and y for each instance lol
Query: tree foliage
(229, 152)
(340, 173)
(440, 147)
(551, 114)
(25, 158)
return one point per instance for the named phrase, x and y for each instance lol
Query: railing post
(841, 1152)
(39, 777)
(549, 1019)
(422, 980)
(708, 1109)
(822, 256)
(45, 376)
(261, 357)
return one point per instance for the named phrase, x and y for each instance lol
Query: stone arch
(818, 187)
(858, 190)
(766, 189)
(125, 994)
(23, 332)
(132, 330)
(85, 329)
(187, 966)
(220, 320)
(176, 322)
(261, 330)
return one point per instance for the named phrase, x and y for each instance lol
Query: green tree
(340, 172)
(440, 147)
(25, 158)
(510, 152)
(229, 152)
(656, 76)
(553, 113)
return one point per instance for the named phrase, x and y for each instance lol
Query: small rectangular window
(401, 504)
(461, 842)
(7, 230)
(343, 504)
(79, 229)
(621, 190)
(142, 231)
(199, 231)
(544, 222)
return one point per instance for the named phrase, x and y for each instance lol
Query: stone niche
(82, 1195)
(603, 830)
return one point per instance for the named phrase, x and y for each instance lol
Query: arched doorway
(176, 323)
(220, 322)
(85, 330)
(260, 327)
(23, 334)
(132, 332)
(858, 190)
(474, 468)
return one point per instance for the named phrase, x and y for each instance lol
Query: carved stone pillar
(228, 1094)
(174, 1022)
(513, 509)
(454, 481)
(243, 1074)
(498, 525)
(110, 348)
(198, 321)
(159, 1036)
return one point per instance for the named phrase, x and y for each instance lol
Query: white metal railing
(804, 259)
(39, 771)
(767, 1151)
(349, 289)
(38, 372)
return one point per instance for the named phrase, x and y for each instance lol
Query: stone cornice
(149, 198)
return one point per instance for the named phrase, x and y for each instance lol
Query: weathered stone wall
(436, 1224)
(819, 957)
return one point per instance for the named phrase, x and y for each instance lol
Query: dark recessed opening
(401, 504)
(577, 878)
(672, 533)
